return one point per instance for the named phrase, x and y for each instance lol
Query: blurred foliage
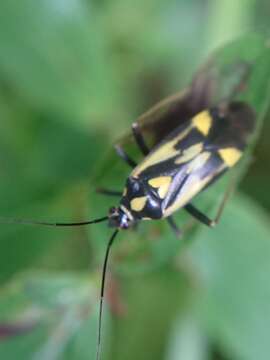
(74, 74)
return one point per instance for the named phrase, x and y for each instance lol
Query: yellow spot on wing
(194, 184)
(137, 204)
(162, 183)
(190, 189)
(230, 156)
(189, 153)
(163, 152)
(125, 191)
(203, 122)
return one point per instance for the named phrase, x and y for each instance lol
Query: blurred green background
(74, 74)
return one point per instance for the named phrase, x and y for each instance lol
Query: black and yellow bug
(194, 144)
(186, 161)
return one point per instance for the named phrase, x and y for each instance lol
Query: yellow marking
(203, 122)
(137, 204)
(190, 189)
(162, 183)
(125, 191)
(189, 153)
(198, 162)
(163, 152)
(230, 156)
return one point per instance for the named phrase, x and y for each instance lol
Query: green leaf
(232, 268)
(187, 340)
(43, 315)
(53, 53)
(152, 304)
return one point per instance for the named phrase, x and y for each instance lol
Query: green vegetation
(74, 74)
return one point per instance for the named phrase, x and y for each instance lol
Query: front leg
(124, 156)
(108, 192)
(139, 139)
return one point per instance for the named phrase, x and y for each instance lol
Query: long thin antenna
(44, 223)
(102, 291)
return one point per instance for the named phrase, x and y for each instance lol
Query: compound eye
(113, 211)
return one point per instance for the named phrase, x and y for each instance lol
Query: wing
(209, 86)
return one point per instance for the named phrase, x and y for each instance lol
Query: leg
(174, 226)
(139, 139)
(108, 192)
(198, 215)
(123, 155)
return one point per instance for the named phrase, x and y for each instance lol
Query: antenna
(45, 223)
(102, 291)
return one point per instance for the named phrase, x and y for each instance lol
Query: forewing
(191, 178)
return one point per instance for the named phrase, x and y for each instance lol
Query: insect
(194, 145)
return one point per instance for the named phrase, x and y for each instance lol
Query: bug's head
(120, 219)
